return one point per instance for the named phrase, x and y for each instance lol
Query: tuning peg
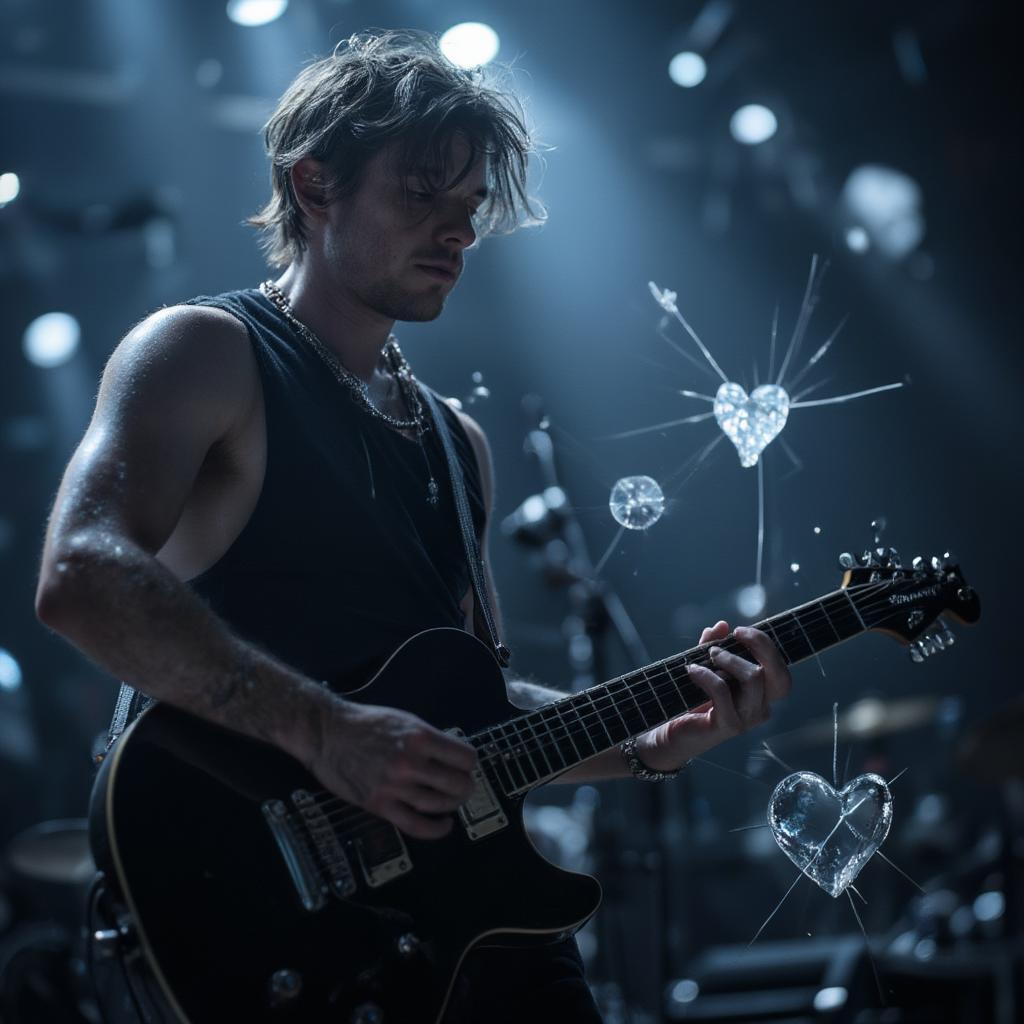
(869, 560)
(948, 636)
(917, 564)
(893, 559)
(847, 561)
(915, 654)
(936, 562)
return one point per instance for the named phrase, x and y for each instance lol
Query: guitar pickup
(382, 855)
(482, 813)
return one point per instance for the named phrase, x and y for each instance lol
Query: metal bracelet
(639, 770)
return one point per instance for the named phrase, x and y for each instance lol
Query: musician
(260, 505)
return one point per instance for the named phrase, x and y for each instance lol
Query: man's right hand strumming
(391, 763)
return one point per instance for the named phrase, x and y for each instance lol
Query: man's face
(397, 247)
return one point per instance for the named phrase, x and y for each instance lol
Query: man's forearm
(128, 613)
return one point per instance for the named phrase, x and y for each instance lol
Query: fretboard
(534, 747)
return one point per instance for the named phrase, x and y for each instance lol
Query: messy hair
(394, 87)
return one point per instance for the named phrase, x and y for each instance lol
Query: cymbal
(992, 750)
(869, 719)
(53, 851)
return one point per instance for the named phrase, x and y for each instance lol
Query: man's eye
(421, 196)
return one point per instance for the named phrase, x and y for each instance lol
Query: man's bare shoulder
(475, 432)
(182, 350)
(199, 336)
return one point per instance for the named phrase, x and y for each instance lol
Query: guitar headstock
(907, 601)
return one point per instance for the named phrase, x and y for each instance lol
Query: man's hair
(394, 87)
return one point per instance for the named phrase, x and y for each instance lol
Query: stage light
(51, 339)
(687, 69)
(10, 671)
(753, 124)
(989, 906)
(255, 12)
(470, 44)
(887, 204)
(684, 991)
(831, 998)
(750, 600)
(857, 239)
(10, 186)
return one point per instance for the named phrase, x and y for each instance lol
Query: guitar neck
(534, 747)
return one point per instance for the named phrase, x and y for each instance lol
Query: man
(260, 504)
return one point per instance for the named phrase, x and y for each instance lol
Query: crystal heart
(830, 836)
(751, 421)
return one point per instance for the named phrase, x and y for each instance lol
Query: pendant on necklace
(433, 492)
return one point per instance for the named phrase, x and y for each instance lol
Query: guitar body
(247, 909)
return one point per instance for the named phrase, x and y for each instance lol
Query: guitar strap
(483, 616)
(132, 702)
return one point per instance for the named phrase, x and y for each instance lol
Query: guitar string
(349, 812)
(648, 693)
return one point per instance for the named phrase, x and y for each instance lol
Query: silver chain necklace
(396, 363)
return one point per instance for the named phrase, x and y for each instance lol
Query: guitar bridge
(311, 889)
(482, 813)
(326, 843)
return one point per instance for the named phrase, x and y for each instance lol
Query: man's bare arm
(179, 384)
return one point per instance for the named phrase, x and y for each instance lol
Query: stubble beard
(396, 303)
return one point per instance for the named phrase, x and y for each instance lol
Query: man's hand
(741, 694)
(394, 765)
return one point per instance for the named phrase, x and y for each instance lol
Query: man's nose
(457, 228)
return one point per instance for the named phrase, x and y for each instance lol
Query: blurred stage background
(130, 154)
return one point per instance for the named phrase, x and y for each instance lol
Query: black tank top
(343, 557)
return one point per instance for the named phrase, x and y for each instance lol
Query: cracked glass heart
(830, 836)
(751, 421)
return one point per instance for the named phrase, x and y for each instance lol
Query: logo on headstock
(931, 591)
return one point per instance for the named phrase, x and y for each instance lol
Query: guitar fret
(618, 711)
(494, 752)
(769, 626)
(512, 757)
(540, 745)
(557, 734)
(828, 619)
(634, 722)
(665, 716)
(799, 635)
(796, 617)
(853, 605)
(594, 715)
(568, 732)
(628, 687)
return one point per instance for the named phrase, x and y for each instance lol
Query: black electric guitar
(257, 896)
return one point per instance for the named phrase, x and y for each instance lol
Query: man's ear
(309, 183)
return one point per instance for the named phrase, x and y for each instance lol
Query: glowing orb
(637, 502)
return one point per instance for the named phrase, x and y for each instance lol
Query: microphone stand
(596, 607)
